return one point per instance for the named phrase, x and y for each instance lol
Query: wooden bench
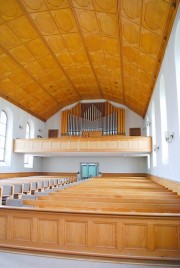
(95, 218)
(17, 187)
(119, 194)
(27, 188)
(124, 199)
(18, 191)
(132, 206)
(7, 192)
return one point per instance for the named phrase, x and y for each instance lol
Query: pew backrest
(18, 191)
(27, 188)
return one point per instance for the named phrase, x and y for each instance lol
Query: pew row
(17, 187)
(118, 218)
(111, 195)
(102, 206)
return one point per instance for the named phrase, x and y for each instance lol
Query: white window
(147, 127)
(154, 134)
(163, 110)
(177, 67)
(27, 131)
(3, 135)
(28, 159)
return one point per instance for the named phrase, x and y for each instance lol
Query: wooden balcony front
(117, 144)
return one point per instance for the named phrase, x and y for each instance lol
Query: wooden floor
(120, 194)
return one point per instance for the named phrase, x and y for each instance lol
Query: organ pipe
(101, 116)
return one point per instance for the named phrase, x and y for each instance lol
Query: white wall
(106, 164)
(64, 164)
(132, 119)
(53, 123)
(17, 117)
(171, 169)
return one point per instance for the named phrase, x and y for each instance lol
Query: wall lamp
(169, 136)
(20, 126)
(155, 148)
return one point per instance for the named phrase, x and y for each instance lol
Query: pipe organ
(97, 116)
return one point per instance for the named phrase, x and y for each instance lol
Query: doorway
(53, 133)
(134, 132)
(89, 170)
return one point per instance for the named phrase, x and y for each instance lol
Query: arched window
(28, 159)
(177, 67)
(147, 127)
(27, 131)
(3, 135)
(163, 110)
(154, 134)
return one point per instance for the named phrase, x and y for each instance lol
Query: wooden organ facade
(100, 117)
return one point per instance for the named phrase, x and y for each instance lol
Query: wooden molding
(19, 174)
(28, 174)
(58, 173)
(123, 174)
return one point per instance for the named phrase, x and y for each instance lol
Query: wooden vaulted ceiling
(57, 52)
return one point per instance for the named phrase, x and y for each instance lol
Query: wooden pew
(165, 207)
(16, 187)
(27, 188)
(7, 192)
(112, 218)
(18, 191)
(124, 199)
(118, 194)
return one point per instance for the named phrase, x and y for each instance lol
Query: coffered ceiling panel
(57, 52)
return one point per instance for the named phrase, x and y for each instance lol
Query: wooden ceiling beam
(87, 53)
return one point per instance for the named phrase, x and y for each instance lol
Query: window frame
(3, 148)
(28, 159)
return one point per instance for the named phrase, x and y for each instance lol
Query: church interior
(90, 133)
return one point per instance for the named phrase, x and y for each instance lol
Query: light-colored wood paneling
(162, 233)
(76, 144)
(94, 230)
(3, 223)
(47, 231)
(55, 53)
(95, 234)
(102, 241)
(22, 229)
(76, 233)
(135, 236)
(92, 133)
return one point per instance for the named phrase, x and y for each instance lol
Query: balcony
(74, 144)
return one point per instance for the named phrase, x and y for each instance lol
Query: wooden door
(52, 133)
(134, 132)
